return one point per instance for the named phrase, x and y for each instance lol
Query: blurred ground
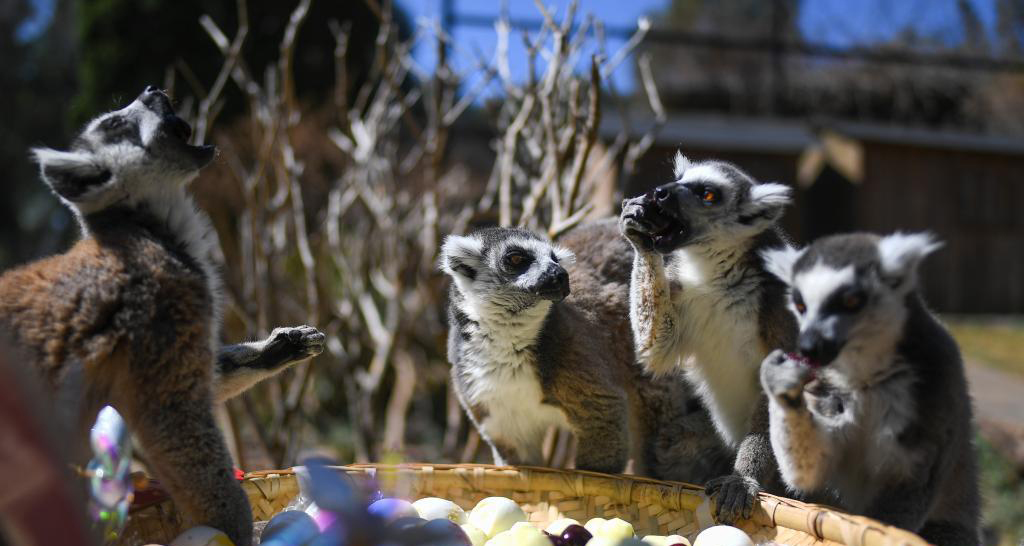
(994, 341)
(993, 349)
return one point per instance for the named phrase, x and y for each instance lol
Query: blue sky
(836, 22)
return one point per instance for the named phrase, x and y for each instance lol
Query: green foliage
(1002, 487)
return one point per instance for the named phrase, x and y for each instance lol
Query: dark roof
(781, 136)
(929, 138)
(718, 132)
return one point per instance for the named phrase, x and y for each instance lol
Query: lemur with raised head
(527, 354)
(130, 315)
(701, 301)
(872, 412)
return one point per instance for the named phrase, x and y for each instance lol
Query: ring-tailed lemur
(130, 316)
(701, 301)
(526, 355)
(873, 413)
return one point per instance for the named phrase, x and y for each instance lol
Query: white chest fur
(720, 341)
(499, 375)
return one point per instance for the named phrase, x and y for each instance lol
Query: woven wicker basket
(653, 507)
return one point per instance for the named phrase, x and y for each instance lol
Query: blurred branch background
(354, 135)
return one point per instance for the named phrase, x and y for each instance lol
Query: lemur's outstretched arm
(651, 309)
(804, 439)
(242, 365)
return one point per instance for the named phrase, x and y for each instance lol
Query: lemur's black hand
(291, 344)
(634, 227)
(733, 497)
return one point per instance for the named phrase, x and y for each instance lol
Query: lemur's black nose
(554, 283)
(156, 100)
(817, 347)
(666, 196)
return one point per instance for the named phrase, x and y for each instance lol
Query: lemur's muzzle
(818, 348)
(662, 212)
(160, 104)
(553, 284)
(157, 101)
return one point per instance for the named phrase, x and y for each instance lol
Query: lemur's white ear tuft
(779, 261)
(771, 194)
(461, 256)
(70, 175)
(766, 204)
(564, 255)
(679, 165)
(901, 253)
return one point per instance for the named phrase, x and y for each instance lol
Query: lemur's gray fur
(130, 316)
(873, 414)
(524, 359)
(701, 301)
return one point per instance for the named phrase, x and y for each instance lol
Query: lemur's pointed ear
(462, 256)
(779, 261)
(679, 165)
(766, 204)
(70, 175)
(901, 253)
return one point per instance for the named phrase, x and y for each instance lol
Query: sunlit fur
(129, 316)
(524, 360)
(148, 171)
(884, 428)
(708, 307)
(713, 313)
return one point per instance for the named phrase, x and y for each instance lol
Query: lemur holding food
(130, 315)
(702, 302)
(872, 412)
(537, 340)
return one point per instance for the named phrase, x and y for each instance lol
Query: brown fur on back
(129, 314)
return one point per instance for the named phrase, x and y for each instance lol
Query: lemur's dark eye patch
(516, 260)
(847, 300)
(113, 122)
(708, 194)
(798, 302)
(119, 129)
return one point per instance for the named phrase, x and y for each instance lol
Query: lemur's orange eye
(709, 197)
(801, 308)
(852, 301)
(515, 259)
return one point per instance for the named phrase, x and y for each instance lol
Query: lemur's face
(140, 148)
(510, 268)
(848, 291)
(711, 203)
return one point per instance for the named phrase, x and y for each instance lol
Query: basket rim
(817, 520)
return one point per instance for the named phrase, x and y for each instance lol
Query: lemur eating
(701, 301)
(872, 412)
(130, 315)
(528, 352)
